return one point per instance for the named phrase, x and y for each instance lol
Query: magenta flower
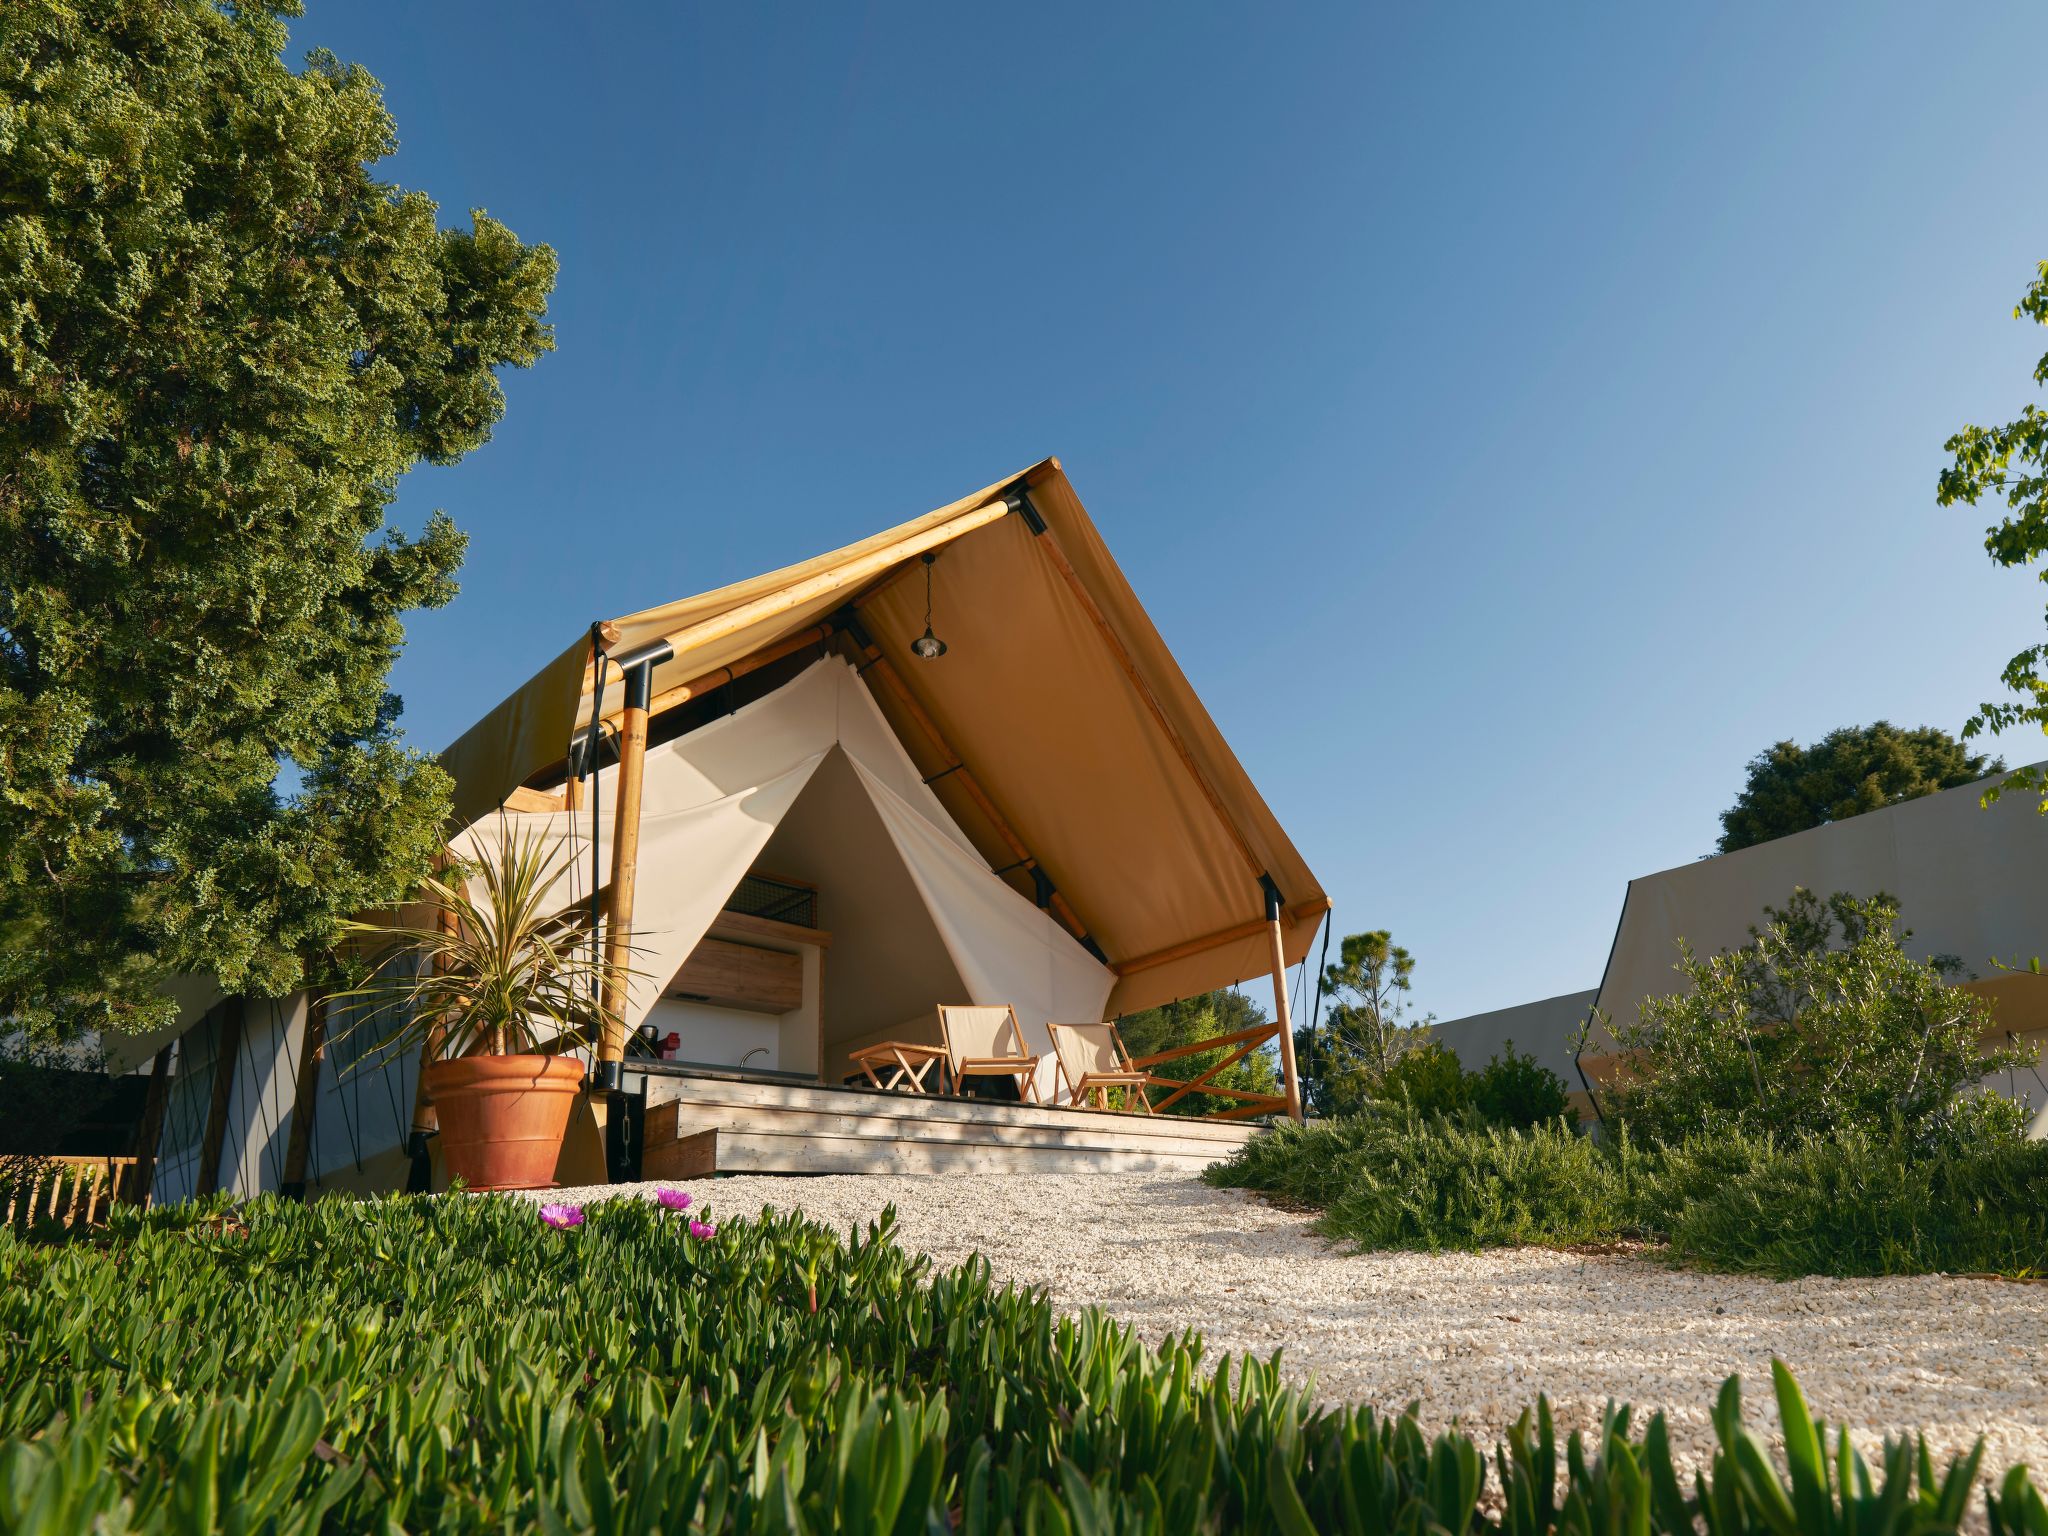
(674, 1199)
(703, 1229)
(562, 1215)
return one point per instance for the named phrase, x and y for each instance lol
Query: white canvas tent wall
(1969, 880)
(714, 798)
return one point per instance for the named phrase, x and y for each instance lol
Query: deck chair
(985, 1040)
(1091, 1059)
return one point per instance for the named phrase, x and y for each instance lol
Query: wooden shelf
(744, 928)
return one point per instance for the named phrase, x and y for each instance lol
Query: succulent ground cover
(470, 1365)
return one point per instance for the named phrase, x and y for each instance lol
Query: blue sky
(1514, 420)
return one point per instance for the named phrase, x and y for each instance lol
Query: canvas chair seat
(985, 1040)
(1091, 1059)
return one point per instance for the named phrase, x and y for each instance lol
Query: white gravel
(1474, 1337)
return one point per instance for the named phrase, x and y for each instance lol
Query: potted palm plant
(496, 989)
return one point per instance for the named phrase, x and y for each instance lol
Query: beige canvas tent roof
(1057, 730)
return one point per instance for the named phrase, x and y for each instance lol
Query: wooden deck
(701, 1125)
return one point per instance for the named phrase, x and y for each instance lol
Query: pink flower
(702, 1229)
(562, 1215)
(674, 1199)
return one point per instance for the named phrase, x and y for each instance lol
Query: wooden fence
(1246, 1041)
(72, 1191)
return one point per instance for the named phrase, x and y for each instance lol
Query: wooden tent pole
(305, 1096)
(618, 933)
(1287, 1072)
(151, 1131)
(226, 1052)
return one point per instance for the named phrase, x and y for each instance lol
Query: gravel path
(1474, 1336)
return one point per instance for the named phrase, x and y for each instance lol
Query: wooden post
(618, 931)
(1288, 1077)
(227, 1051)
(312, 1051)
(151, 1131)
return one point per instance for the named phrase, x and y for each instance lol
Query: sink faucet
(759, 1050)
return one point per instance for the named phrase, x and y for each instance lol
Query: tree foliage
(2011, 462)
(1821, 1023)
(222, 341)
(1345, 1061)
(1847, 772)
(1205, 1017)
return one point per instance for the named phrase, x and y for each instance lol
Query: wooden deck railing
(1246, 1041)
(74, 1191)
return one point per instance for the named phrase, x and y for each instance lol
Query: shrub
(1393, 1181)
(1853, 1203)
(1428, 1079)
(455, 1365)
(1820, 1023)
(1513, 1090)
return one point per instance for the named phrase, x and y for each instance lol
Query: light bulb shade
(928, 646)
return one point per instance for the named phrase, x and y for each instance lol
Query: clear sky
(1514, 420)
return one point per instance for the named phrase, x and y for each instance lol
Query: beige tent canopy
(1056, 730)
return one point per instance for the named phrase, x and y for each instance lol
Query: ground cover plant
(470, 1365)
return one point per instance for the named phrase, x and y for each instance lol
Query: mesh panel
(782, 900)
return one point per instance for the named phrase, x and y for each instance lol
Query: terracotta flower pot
(503, 1117)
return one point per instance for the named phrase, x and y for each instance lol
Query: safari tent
(951, 763)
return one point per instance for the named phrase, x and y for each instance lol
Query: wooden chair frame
(1124, 1075)
(1022, 1067)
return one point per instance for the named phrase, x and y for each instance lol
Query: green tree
(1847, 772)
(1204, 1017)
(1367, 1028)
(2011, 461)
(1821, 1023)
(222, 341)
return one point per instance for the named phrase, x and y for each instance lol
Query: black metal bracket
(1017, 497)
(1273, 899)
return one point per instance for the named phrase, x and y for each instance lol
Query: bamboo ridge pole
(682, 693)
(825, 583)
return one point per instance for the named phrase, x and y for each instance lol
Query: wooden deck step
(699, 1125)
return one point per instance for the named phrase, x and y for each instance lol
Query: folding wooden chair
(1091, 1059)
(985, 1040)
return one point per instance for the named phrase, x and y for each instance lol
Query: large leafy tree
(1847, 772)
(222, 341)
(2011, 462)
